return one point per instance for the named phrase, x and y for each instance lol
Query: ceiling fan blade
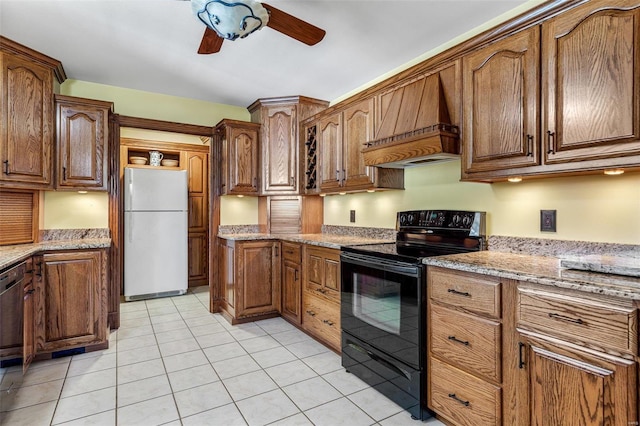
(211, 42)
(293, 27)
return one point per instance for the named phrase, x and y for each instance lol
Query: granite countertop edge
(540, 270)
(321, 240)
(19, 252)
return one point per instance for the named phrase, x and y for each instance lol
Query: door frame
(116, 210)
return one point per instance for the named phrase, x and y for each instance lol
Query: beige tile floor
(174, 363)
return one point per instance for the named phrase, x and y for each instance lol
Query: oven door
(382, 304)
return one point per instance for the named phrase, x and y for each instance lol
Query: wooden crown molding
(10, 46)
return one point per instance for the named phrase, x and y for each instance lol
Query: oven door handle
(381, 264)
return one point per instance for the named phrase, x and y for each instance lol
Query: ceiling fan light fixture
(231, 20)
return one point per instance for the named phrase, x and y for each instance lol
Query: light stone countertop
(18, 252)
(544, 270)
(322, 240)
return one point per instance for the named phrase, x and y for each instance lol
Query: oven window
(376, 301)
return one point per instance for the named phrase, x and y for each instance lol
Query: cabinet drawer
(292, 251)
(466, 341)
(462, 398)
(472, 292)
(586, 321)
(322, 319)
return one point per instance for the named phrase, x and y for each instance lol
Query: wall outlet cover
(548, 220)
(352, 216)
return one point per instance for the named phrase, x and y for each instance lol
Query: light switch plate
(548, 220)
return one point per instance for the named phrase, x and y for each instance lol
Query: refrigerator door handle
(130, 220)
(131, 192)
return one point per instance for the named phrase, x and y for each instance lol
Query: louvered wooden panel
(285, 215)
(18, 217)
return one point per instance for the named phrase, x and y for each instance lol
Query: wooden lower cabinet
(560, 385)
(292, 282)
(462, 398)
(198, 259)
(321, 295)
(250, 274)
(506, 352)
(465, 347)
(71, 300)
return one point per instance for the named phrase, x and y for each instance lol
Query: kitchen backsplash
(239, 229)
(73, 234)
(558, 248)
(357, 231)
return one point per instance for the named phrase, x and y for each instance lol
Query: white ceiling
(151, 45)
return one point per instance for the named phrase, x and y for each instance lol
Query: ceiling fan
(235, 19)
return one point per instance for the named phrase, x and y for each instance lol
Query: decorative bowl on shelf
(138, 160)
(169, 163)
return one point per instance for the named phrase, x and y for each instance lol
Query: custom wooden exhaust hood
(415, 128)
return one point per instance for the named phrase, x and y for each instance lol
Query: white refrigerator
(155, 233)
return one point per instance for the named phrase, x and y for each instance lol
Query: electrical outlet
(352, 216)
(548, 220)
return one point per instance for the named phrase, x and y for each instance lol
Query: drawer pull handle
(459, 293)
(321, 290)
(328, 322)
(461, 401)
(565, 318)
(455, 339)
(313, 314)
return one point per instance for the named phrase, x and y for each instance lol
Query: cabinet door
(501, 86)
(564, 386)
(257, 278)
(329, 134)
(227, 274)
(358, 130)
(243, 161)
(71, 309)
(591, 76)
(291, 291)
(82, 146)
(26, 126)
(280, 151)
(198, 259)
(322, 273)
(197, 170)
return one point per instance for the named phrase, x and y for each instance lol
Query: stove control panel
(472, 222)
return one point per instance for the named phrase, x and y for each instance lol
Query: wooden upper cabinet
(501, 86)
(341, 138)
(591, 82)
(280, 140)
(82, 143)
(26, 126)
(198, 174)
(329, 137)
(280, 151)
(358, 129)
(240, 157)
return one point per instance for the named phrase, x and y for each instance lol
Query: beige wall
(65, 210)
(590, 208)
